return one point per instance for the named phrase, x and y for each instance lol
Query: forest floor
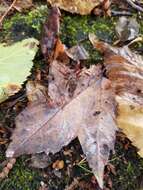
(125, 169)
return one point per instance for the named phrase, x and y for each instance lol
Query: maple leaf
(78, 106)
(125, 69)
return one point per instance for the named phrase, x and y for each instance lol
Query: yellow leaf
(130, 120)
(82, 7)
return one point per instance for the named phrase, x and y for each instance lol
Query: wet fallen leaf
(125, 69)
(50, 34)
(15, 65)
(82, 7)
(127, 29)
(77, 53)
(78, 105)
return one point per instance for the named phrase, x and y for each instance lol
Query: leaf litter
(59, 110)
(51, 122)
(124, 69)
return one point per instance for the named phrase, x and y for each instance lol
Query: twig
(7, 11)
(138, 39)
(120, 13)
(7, 168)
(135, 6)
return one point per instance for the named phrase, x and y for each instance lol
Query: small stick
(137, 7)
(138, 39)
(7, 168)
(120, 13)
(7, 11)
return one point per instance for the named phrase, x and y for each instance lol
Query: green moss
(21, 178)
(78, 27)
(129, 168)
(21, 26)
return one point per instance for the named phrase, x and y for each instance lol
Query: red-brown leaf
(125, 69)
(50, 33)
(80, 106)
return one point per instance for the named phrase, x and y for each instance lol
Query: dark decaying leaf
(125, 69)
(127, 29)
(50, 33)
(77, 53)
(36, 92)
(78, 105)
(40, 160)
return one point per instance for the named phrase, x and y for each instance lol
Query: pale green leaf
(15, 65)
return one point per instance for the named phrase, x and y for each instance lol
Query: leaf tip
(99, 178)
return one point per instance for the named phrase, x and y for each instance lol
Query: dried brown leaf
(125, 70)
(21, 5)
(82, 7)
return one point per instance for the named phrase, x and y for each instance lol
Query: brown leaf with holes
(125, 69)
